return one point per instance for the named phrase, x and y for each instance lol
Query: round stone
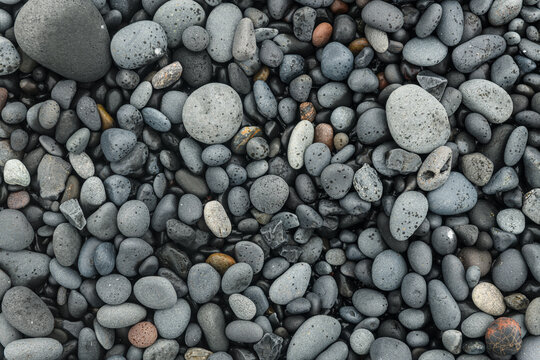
(15, 173)
(488, 299)
(213, 113)
(133, 218)
(17, 233)
(503, 337)
(417, 121)
(143, 334)
(269, 193)
(408, 213)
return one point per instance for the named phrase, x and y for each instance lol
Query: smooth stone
(291, 284)
(172, 322)
(450, 28)
(69, 38)
(509, 270)
(52, 174)
(244, 43)
(457, 195)
(370, 302)
(443, 307)
(475, 325)
(237, 278)
(133, 218)
(336, 61)
(384, 348)
(269, 193)
(382, 16)
(531, 204)
(488, 99)
(336, 180)
(212, 322)
(216, 219)
(155, 292)
(416, 120)
(477, 168)
(65, 276)
(488, 299)
(176, 16)
(313, 336)
(243, 331)
(17, 233)
(221, 26)
(532, 317)
(26, 312)
(367, 183)
(39, 348)
(162, 349)
(138, 44)
(117, 143)
(408, 213)
(25, 268)
(468, 56)
(503, 11)
(131, 252)
(119, 316)
(202, 113)
(388, 270)
(427, 51)
(9, 58)
(203, 282)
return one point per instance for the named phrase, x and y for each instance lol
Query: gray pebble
(443, 307)
(155, 292)
(119, 316)
(176, 17)
(389, 348)
(313, 336)
(337, 61)
(428, 51)
(515, 146)
(382, 16)
(408, 213)
(212, 322)
(468, 56)
(237, 278)
(40, 348)
(509, 271)
(17, 232)
(203, 283)
(457, 195)
(26, 312)
(290, 285)
(428, 21)
(488, 99)
(450, 28)
(454, 277)
(141, 95)
(269, 193)
(475, 325)
(131, 253)
(370, 302)
(221, 25)
(336, 180)
(172, 322)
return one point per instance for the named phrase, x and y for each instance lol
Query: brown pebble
(339, 7)
(167, 76)
(72, 190)
(357, 45)
(3, 98)
(307, 111)
(221, 262)
(470, 256)
(107, 121)
(321, 34)
(18, 200)
(382, 81)
(262, 74)
(340, 141)
(143, 334)
(324, 133)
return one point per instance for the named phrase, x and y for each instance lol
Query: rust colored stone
(221, 262)
(142, 334)
(382, 81)
(262, 74)
(167, 76)
(324, 133)
(307, 111)
(107, 121)
(339, 7)
(503, 337)
(18, 200)
(72, 190)
(321, 34)
(340, 141)
(240, 140)
(357, 45)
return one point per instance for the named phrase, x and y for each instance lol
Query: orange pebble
(339, 7)
(324, 133)
(357, 45)
(321, 34)
(107, 121)
(307, 111)
(262, 74)
(143, 334)
(221, 262)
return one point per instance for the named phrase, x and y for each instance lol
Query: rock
(133, 218)
(162, 349)
(427, 51)
(488, 299)
(529, 348)
(155, 292)
(269, 347)
(221, 25)
(429, 20)
(312, 337)
(382, 16)
(244, 44)
(532, 317)
(113, 289)
(212, 322)
(408, 213)
(336, 61)
(138, 44)
(503, 337)
(367, 184)
(370, 302)
(477, 168)
(457, 195)
(68, 38)
(34, 349)
(167, 76)
(443, 307)
(511, 220)
(117, 143)
(488, 99)
(143, 334)
(52, 174)
(237, 278)
(25, 268)
(17, 233)
(389, 348)
(242, 307)
(119, 316)
(73, 213)
(450, 28)
(301, 138)
(243, 331)
(172, 322)
(290, 285)
(336, 180)
(176, 16)
(417, 121)
(503, 11)
(388, 270)
(475, 325)
(269, 193)
(203, 282)
(26, 312)
(531, 205)
(202, 113)
(435, 169)
(9, 58)
(468, 56)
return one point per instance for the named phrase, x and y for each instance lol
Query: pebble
(420, 126)
(503, 337)
(203, 282)
(443, 307)
(450, 28)
(532, 317)
(172, 322)
(216, 219)
(237, 278)
(389, 348)
(221, 26)
(269, 193)
(488, 299)
(155, 292)
(203, 125)
(382, 16)
(428, 51)
(336, 180)
(457, 195)
(119, 316)
(18, 233)
(26, 312)
(10, 58)
(477, 168)
(408, 213)
(70, 39)
(292, 284)
(243, 331)
(33, 349)
(488, 99)
(138, 44)
(468, 56)
(313, 336)
(301, 138)
(336, 61)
